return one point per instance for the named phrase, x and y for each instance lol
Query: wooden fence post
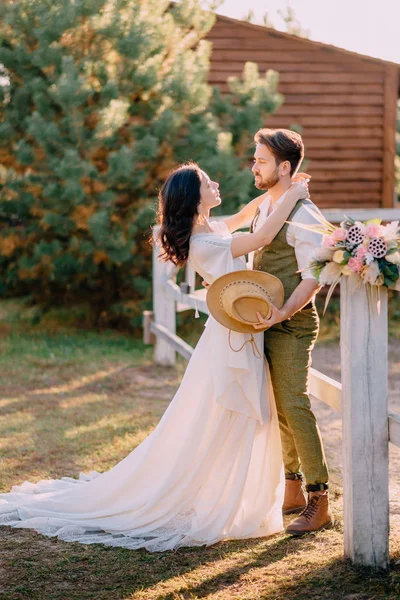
(163, 308)
(364, 359)
(190, 278)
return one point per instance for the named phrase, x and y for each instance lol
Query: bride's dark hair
(178, 203)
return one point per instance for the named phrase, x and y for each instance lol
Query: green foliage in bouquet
(100, 99)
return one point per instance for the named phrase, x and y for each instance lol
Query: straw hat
(235, 298)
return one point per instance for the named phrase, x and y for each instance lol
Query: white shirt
(302, 240)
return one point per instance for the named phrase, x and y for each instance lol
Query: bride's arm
(243, 217)
(244, 244)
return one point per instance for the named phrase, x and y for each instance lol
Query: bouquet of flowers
(366, 252)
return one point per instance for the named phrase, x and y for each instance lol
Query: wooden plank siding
(389, 143)
(344, 102)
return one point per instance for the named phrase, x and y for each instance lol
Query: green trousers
(288, 348)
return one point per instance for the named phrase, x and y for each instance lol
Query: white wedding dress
(211, 470)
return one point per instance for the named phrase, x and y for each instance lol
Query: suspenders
(254, 221)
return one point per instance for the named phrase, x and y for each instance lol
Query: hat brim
(272, 285)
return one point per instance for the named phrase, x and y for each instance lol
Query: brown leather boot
(295, 499)
(315, 516)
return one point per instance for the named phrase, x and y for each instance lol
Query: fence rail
(394, 428)
(362, 397)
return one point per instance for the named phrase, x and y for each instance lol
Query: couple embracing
(229, 455)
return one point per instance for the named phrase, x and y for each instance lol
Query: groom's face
(266, 171)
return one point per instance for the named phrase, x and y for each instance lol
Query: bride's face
(209, 193)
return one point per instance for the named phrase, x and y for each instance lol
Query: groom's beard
(267, 184)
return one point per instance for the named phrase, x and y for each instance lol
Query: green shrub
(100, 100)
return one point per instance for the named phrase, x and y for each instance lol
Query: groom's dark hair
(284, 145)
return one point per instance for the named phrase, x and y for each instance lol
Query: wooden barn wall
(337, 99)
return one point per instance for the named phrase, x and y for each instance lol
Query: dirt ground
(326, 358)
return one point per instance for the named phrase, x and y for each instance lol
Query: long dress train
(211, 469)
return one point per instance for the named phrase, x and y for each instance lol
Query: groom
(292, 331)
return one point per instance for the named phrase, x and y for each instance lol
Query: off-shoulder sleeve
(211, 256)
(221, 228)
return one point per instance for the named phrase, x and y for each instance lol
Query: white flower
(322, 254)
(329, 273)
(362, 227)
(393, 258)
(390, 231)
(370, 273)
(369, 258)
(338, 257)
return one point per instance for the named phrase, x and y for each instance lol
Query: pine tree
(100, 99)
(292, 24)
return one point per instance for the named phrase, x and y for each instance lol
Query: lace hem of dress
(170, 537)
(161, 542)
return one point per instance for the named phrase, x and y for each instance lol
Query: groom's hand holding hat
(235, 299)
(276, 316)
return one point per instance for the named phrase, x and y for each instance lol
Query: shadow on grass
(276, 568)
(337, 579)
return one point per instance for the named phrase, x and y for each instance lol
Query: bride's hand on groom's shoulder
(298, 191)
(301, 177)
(299, 188)
(276, 316)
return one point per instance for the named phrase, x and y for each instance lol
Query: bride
(212, 468)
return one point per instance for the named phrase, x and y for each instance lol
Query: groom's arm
(301, 296)
(304, 243)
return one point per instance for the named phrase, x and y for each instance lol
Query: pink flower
(361, 252)
(355, 265)
(339, 235)
(373, 231)
(328, 241)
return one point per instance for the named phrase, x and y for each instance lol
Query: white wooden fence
(362, 397)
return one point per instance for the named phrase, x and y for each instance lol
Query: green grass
(32, 352)
(49, 350)
(68, 397)
(77, 400)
